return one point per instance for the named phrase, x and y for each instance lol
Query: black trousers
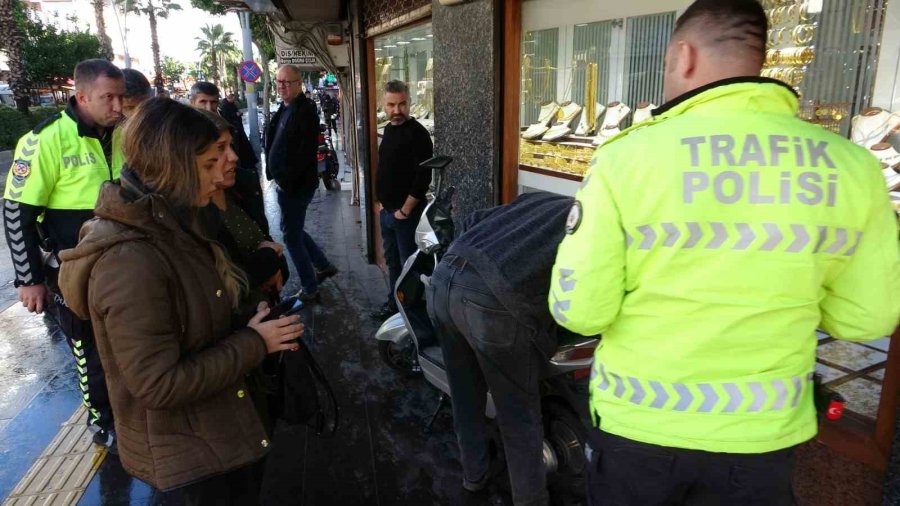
(240, 487)
(623, 472)
(91, 381)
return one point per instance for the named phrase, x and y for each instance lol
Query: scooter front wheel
(401, 356)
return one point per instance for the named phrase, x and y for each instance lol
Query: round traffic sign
(250, 71)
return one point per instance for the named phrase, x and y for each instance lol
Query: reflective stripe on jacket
(707, 246)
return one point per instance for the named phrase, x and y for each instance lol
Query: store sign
(296, 57)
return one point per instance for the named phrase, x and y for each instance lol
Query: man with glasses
(292, 142)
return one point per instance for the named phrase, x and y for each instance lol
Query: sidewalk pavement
(380, 455)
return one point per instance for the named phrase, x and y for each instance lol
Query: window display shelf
(549, 180)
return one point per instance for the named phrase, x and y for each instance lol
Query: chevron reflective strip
(94, 416)
(565, 282)
(12, 215)
(560, 307)
(713, 398)
(771, 237)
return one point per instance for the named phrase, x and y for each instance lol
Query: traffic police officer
(51, 190)
(707, 246)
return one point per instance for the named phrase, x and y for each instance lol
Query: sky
(176, 34)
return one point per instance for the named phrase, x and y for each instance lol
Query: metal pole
(252, 113)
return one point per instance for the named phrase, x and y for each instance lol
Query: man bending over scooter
(487, 300)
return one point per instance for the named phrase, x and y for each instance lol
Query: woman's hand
(279, 334)
(274, 245)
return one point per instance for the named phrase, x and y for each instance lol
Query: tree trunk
(12, 42)
(105, 41)
(214, 70)
(154, 46)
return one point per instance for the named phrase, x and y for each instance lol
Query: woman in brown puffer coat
(160, 297)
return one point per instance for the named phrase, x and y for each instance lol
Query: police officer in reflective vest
(707, 246)
(51, 190)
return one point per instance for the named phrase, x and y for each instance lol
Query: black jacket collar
(84, 130)
(715, 84)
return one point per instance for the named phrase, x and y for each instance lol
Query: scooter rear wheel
(401, 357)
(566, 435)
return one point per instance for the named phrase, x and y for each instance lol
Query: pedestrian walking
(291, 162)
(400, 184)
(51, 190)
(175, 362)
(707, 245)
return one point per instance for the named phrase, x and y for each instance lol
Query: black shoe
(326, 273)
(106, 438)
(310, 298)
(384, 312)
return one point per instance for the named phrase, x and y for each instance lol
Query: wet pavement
(380, 454)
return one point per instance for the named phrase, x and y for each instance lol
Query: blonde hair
(161, 143)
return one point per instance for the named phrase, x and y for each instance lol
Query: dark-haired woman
(160, 296)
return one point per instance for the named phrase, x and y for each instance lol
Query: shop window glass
(645, 52)
(540, 62)
(836, 74)
(582, 82)
(591, 46)
(407, 55)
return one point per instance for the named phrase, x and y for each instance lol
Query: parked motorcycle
(328, 162)
(408, 344)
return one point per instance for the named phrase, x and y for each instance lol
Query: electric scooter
(408, 344)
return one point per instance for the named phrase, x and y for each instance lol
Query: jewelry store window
(407, 55)
(827, 50)
(582, 82)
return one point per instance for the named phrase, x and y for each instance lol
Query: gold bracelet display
(791, 56)
(802, 35)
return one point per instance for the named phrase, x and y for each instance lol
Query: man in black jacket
(400, 184)
(488, 301)
(291, 146)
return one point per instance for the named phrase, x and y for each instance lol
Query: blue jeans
(486, 349)
(306, 254)
(399, 243)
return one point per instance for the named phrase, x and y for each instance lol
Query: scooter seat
(434, 354)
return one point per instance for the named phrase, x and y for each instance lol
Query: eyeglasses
(286, 83)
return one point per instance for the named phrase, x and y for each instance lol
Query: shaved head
(714, 40)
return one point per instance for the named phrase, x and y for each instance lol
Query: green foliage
(259, 31)
(173, 70)
(49, 54)
(14, 124)
(209, 6)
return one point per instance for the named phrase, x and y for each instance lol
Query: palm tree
(11, 43)
(105, 41)
(215, 41)
(159, 9)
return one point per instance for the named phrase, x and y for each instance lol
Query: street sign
(296, 57)
(250, 71)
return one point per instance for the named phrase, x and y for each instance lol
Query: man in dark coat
(292, 145)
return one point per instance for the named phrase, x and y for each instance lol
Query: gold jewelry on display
(802, 35)
(791, 12)
(804, 11)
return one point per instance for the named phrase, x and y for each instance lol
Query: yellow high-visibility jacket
(707, 246)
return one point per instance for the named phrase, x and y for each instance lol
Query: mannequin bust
(643, 113)
(873, 126)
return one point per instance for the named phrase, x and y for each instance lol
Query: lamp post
(252, 114)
